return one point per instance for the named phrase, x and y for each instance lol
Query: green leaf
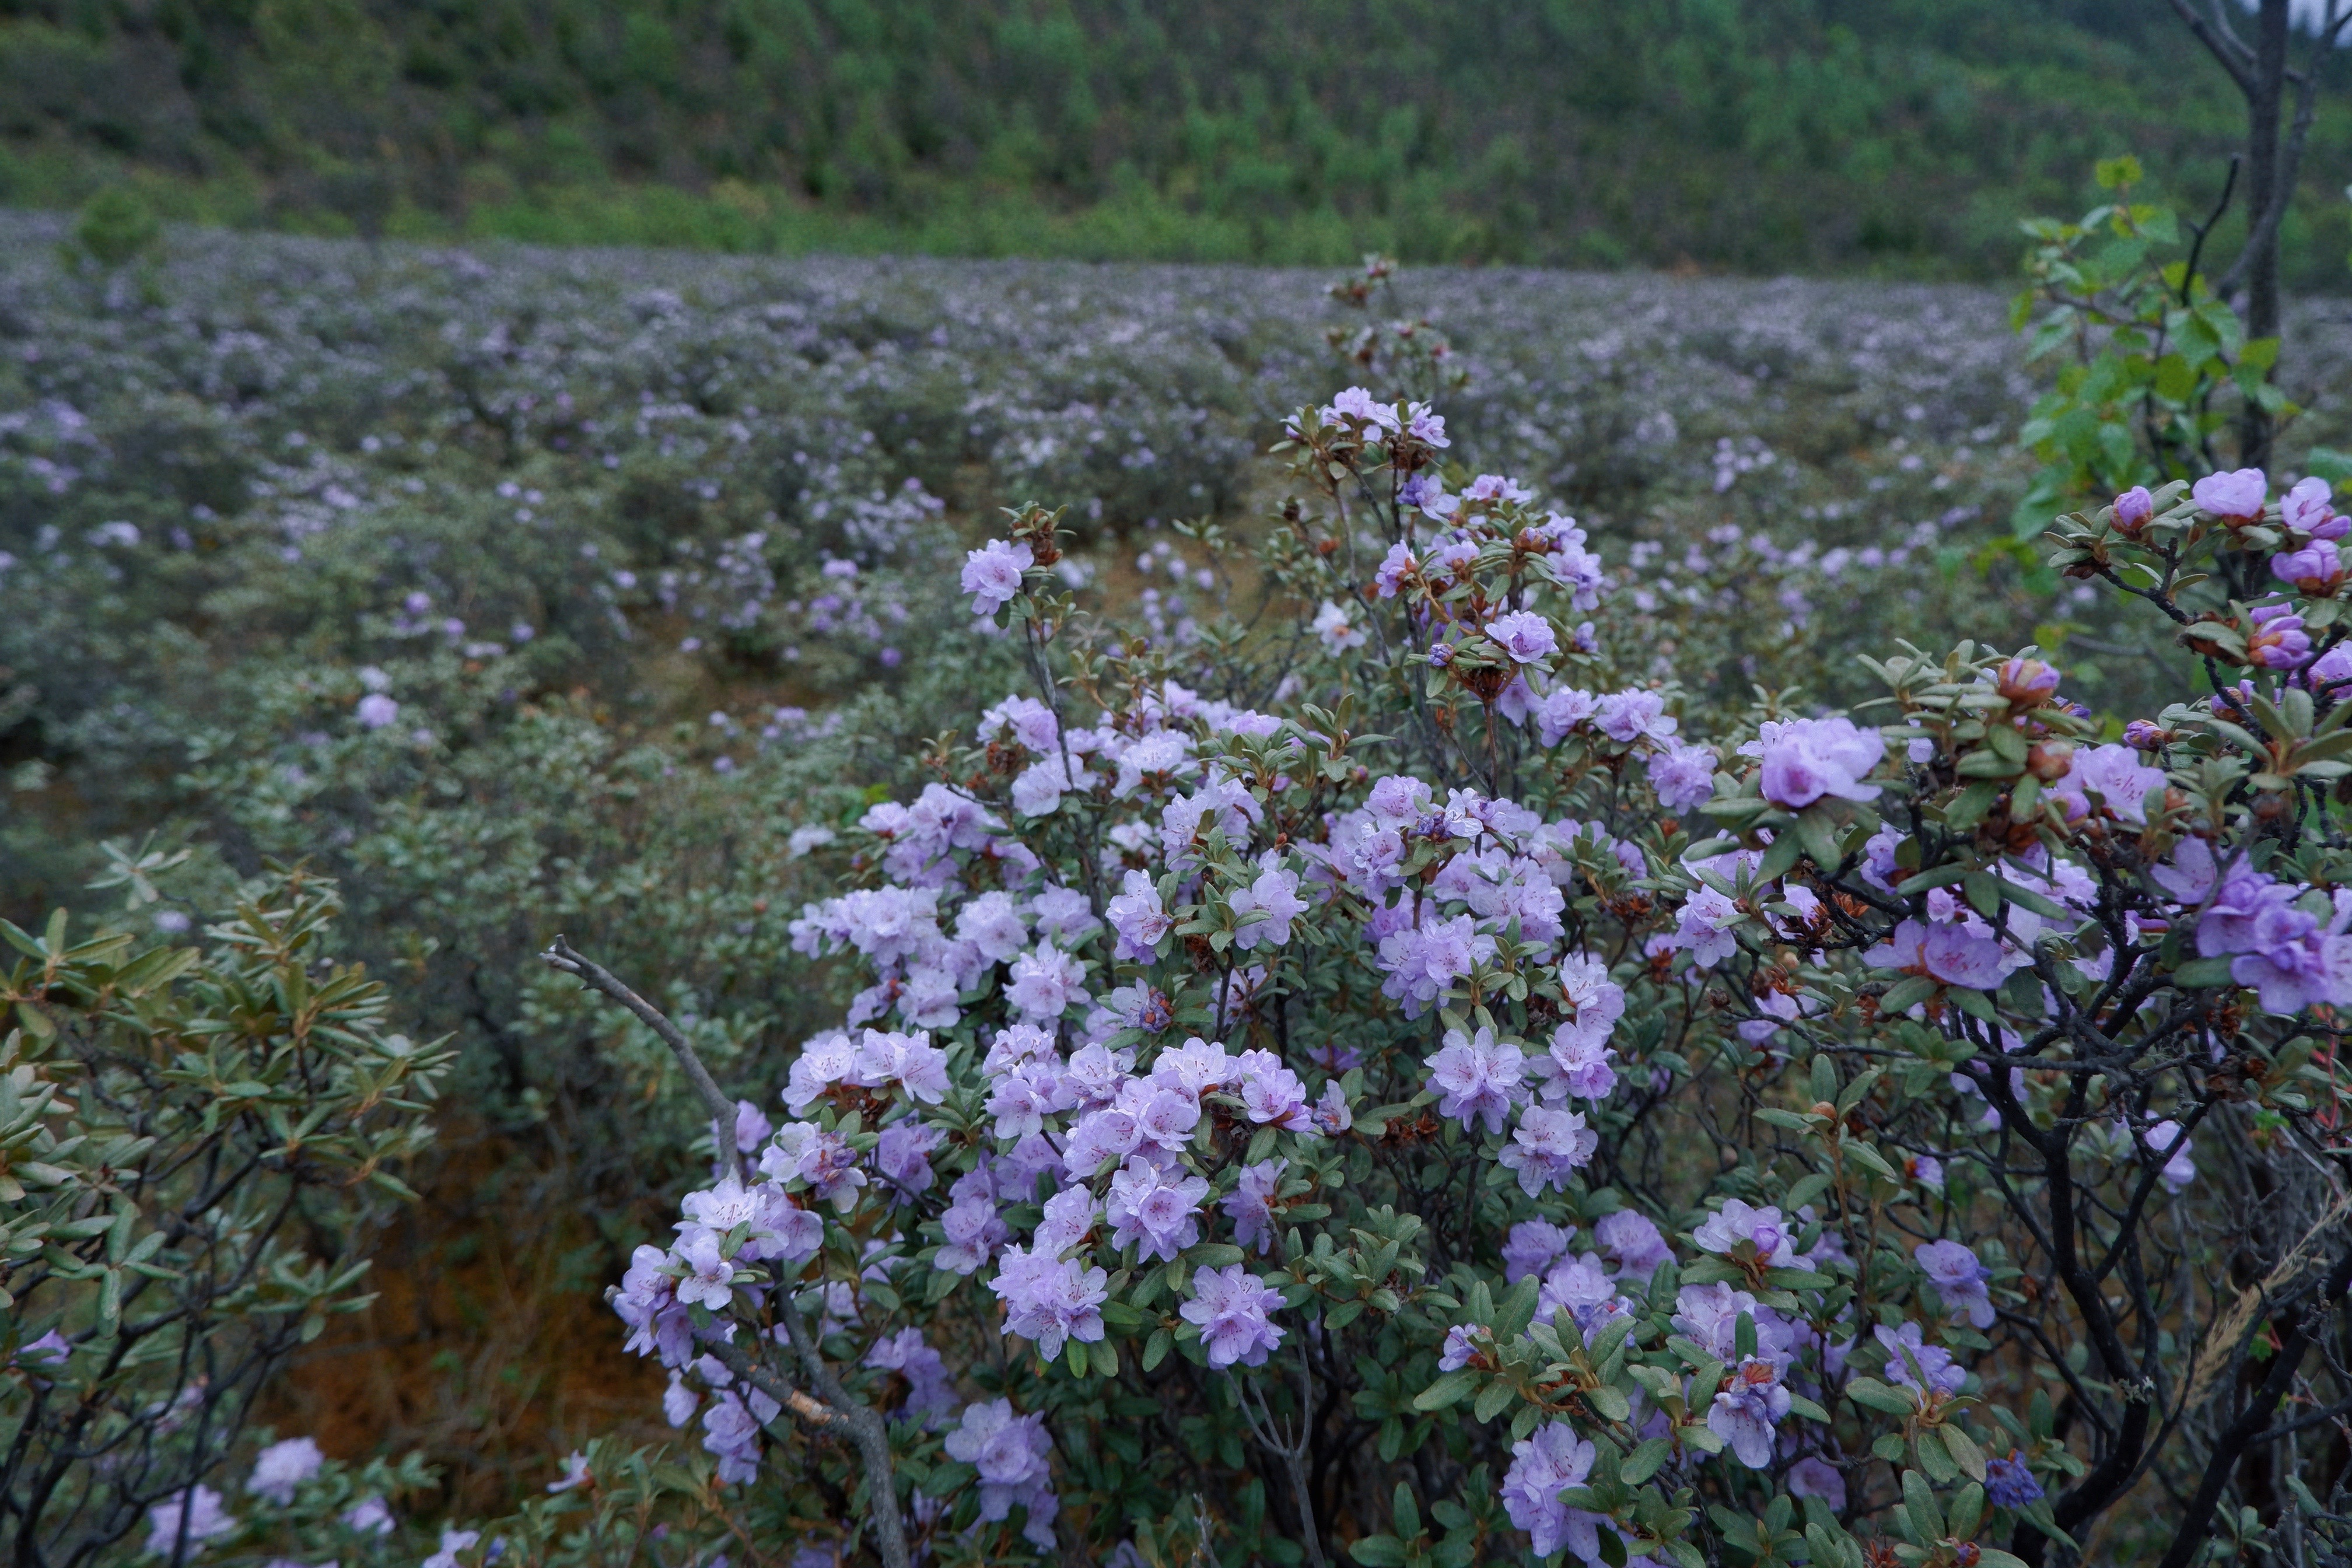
(1919, 1502)
(1379, 1552)
(1446, 1390)
(2199, 972)
(1820, 837)
(1781, 857)
(1492, 1399)
(1644, 1462)
(1927, 1444)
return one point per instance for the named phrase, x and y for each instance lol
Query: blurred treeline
(1895, 137)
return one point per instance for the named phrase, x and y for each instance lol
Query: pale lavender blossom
(2116, 774)
(1232, 1309)
(1636, 714)
(1137, 917)
(282, 1467)
(368, 1516)
(2315, 568)
(1544, 1465)
(454, 1541)
(2306, 510)
(1044, 983)
(376, 711)
(1050, 1300)
(1633, 1240)
(196, 1513)
(992, 575)
(1761, 1229)
(1549, 1147)
(2276, 639)
(991, 922)
(1338, 633)
(1462, 1340)
(1805, 759)
(1422, 963)
(2179, 1169)
(2238, 494)
(1524, 635)
(1683, 775)
(1531, 1246)
(709, 1280)
(1959, 1279)
(1913, 1364)
(1395, 569)
(902, 1153)
(1476, 1078)
(1011, 1454)
(1563, 713)
(1747, 1414)
(2134, 507)
(1158, 1217)
(1250, 1206)
(1271, 1093)
(1266, 906)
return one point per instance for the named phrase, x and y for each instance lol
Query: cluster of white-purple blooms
(1138, 978)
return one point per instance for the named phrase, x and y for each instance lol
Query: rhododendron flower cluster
(1439, 1049)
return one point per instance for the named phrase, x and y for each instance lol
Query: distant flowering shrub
(1447, 1095)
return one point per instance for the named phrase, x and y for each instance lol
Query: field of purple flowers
(523, 590)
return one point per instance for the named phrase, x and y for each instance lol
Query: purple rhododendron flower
(1532, 1247)
(1813, 1475)
(197, 1513)
(1137, 917)
(1525, 636)
(992, 575)
(1747, 1414)
(2008, 1484)
(1633, 1240)
(1736, 1223)
(282, 1467)
(2116, 774)
(2134, 507)
(1159, 1216)
(1250, 1206)
(1462, 1340)
(1011, 1453)
(1423, 962)
(1545, 1464)
(2276, 640)
(1271, 1093)
(2317, 568)
(1476, 1078)
(1230, 1307)
(1958, 1278)
(2305, 509)
(1550, 1146)
(1910, 1359)
(1683, 775)
(1050, 1300)
(2239, 493)
(1267, 906)
(1805, 759)
(1962, 952)
(1636, 714)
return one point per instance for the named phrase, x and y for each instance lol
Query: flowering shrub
(1429, 1096)
(191, 1144)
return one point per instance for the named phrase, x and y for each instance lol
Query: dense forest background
(1893, 137)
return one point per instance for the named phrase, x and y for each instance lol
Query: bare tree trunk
(2269, 195)
(2274, 157)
